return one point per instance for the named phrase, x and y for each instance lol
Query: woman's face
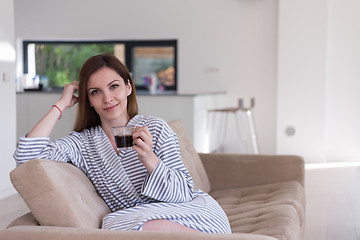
(108, 95)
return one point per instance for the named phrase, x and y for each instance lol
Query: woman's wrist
(60, 105)
(151, 164)
(58, 108)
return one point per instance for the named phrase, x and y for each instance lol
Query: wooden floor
(332, 198)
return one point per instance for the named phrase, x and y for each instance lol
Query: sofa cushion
(59, 194)
(275, 210)
(190, 157)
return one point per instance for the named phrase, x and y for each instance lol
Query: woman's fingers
(68, 99)
(143, 146)
(142, 134)
(142, 141)
(143, 138)
(75, 100)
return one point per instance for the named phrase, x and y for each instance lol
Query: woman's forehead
(103, 77)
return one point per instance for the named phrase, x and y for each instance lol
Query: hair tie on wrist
(59, 110)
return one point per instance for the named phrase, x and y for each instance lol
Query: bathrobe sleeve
(170, 181)
(66, 149)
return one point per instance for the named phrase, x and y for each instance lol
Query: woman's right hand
(44, 127)
(68, 99)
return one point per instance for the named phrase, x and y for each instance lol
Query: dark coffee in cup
(124, 141)
(123, 136)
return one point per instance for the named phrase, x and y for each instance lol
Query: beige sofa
(263, 197)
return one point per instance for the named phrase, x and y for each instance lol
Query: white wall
(222, 45)
(318, 79)
(7, 96)
(302, 78)
(343, 85)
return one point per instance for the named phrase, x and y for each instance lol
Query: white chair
(237, 112)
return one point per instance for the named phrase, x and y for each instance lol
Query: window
(49, 65)
(153, 68)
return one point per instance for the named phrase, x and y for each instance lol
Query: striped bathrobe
(132, 195)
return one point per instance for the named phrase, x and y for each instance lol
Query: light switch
(290, 131)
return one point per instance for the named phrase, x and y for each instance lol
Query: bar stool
(236, 112)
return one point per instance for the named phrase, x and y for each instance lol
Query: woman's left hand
(143, 145)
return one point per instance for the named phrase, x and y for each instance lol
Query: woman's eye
(94, 92)
(114, 86)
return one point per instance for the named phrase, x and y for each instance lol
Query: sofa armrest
(66, 233)
(25, 220)
(226, 171)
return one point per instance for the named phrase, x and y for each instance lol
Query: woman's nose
(107, 97)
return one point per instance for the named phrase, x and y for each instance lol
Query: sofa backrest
(59, 194)
(190, 157)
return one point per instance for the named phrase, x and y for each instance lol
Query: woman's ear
(128, 88)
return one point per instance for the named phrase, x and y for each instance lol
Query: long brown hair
(86, 116)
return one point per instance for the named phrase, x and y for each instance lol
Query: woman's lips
(109, 109)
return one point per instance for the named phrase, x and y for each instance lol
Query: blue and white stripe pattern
(132, 195)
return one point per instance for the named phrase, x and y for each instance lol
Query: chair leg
(252, 132)
(224, 121)
(238, 124)
(207, 146)
(220, 118)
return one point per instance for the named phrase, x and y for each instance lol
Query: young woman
(147, 186)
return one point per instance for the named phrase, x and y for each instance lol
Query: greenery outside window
(49, 65)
